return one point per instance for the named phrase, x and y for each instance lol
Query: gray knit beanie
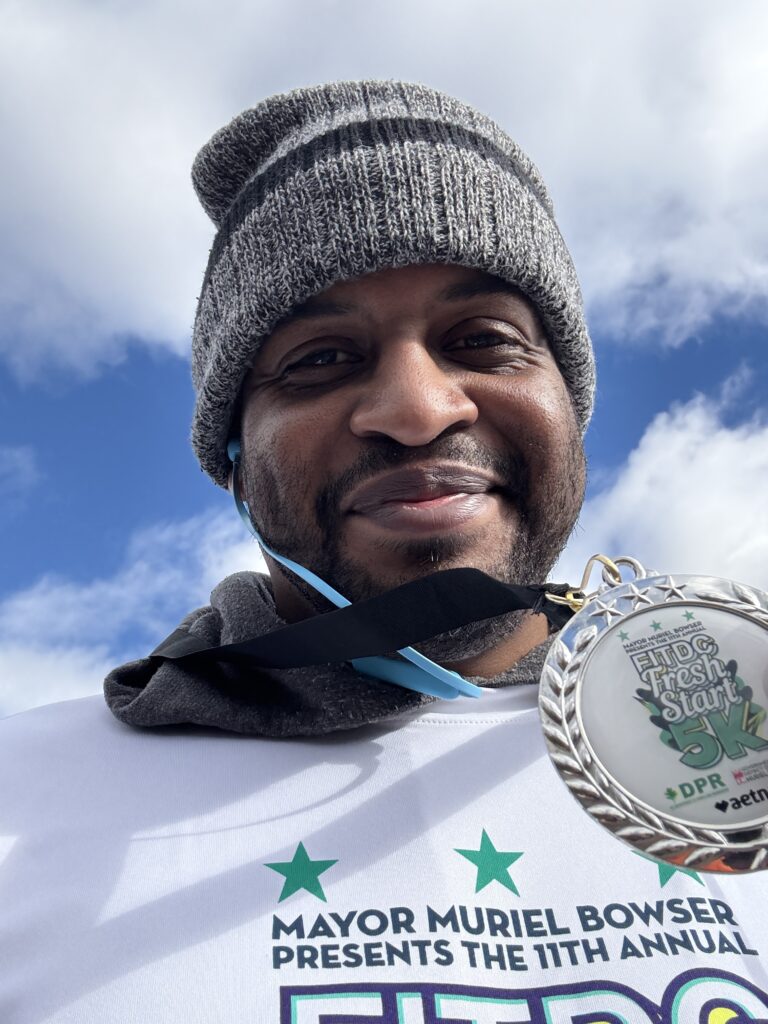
(328, 183)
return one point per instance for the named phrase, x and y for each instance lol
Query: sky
(648, 123)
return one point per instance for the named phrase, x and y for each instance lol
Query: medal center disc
(672, 703)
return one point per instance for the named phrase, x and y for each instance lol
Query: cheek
(536, 414)
(290, 449)
(537, 419)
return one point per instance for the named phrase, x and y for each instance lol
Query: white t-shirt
(433, 868)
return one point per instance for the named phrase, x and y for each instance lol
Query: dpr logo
(694, 787)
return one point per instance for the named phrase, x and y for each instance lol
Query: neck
(292, 606)
(531, 632)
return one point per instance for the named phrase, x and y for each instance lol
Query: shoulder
(45, 739)
(43, 722)
(51, 753)
(74, 765)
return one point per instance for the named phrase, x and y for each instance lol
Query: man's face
(407, 421)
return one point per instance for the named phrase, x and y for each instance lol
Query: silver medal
(653, 701)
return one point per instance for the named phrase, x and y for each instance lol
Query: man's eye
(322, 357)
(484, 339)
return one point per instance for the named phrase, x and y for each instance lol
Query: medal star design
(604, 609)
(666, 871)
(671, 591)
(638, 597)
(492, 864)
(301, 873)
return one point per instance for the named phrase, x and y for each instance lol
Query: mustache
(384, 453)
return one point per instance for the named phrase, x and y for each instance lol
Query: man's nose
(411, 398)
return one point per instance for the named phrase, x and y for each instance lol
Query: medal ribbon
(408, 614)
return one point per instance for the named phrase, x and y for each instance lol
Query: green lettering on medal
(731, 733)
(700, 748)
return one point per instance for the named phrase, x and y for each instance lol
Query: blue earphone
(415, 673)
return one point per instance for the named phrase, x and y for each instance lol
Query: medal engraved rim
(735, 849)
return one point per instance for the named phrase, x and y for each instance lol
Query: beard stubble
(542, 529)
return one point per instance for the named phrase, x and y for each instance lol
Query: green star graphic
(688, 615)
(623, 635)
(301, 873)
(492, 864)
(656, 626)
(670, 794)
(666, 871)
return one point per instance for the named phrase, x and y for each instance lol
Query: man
(393, 374)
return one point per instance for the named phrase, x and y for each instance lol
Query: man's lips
(425, 499)
(419, 484)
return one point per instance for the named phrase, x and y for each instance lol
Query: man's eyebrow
(315, 306)
(468, 289)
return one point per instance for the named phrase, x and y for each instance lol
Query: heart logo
(722, 805)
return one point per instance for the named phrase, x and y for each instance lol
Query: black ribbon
(407, 615)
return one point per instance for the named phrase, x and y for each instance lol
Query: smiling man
(393, 376)
(410, 420)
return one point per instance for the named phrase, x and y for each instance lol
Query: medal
(653, 702)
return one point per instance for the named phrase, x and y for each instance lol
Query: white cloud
(32, 675)
(58, 638)
(646, 120)
(690, 498)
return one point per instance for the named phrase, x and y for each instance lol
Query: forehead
(418, 288)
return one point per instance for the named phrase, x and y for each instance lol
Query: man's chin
(381, 582)
(413, 558)
(362, 582)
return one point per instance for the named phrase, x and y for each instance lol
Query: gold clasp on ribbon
(576, 597)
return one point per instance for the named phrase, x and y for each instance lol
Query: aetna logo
(754, 796)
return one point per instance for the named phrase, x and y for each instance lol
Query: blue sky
(653, 143)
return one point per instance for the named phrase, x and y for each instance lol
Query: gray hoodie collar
(277, 703)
